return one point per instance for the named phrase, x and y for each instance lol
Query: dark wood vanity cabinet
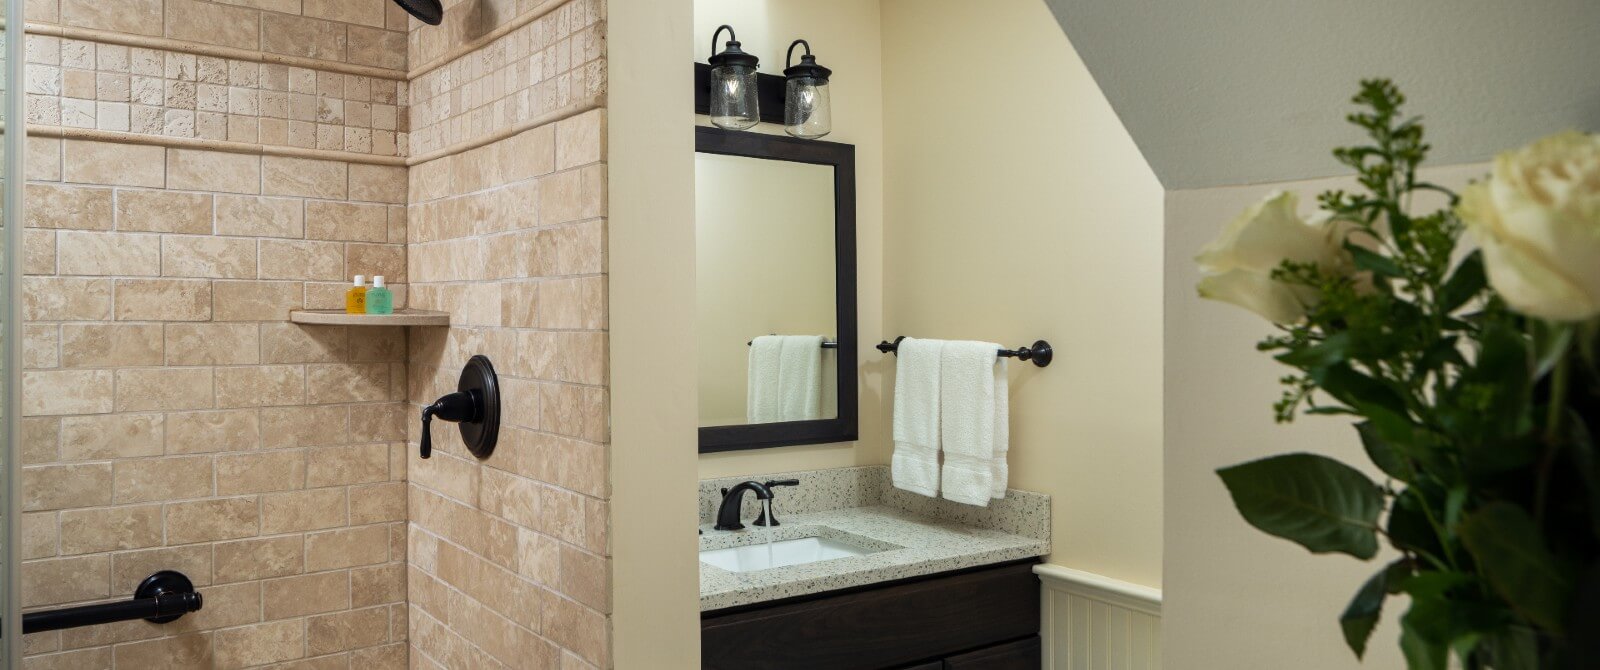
(985, 618)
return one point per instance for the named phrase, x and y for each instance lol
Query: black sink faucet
(732, 499)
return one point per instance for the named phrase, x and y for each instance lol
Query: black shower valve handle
(454, 407)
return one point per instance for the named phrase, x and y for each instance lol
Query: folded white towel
(800, 377)
(763, 402)
(915, 465)
(970, 410)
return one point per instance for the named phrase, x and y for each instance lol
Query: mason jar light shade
(807, 112)
(734, 103)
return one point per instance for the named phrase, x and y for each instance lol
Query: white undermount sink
(780, 554)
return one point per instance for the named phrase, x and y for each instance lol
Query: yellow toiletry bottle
(355, 299)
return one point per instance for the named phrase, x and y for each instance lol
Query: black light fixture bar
(769, 90)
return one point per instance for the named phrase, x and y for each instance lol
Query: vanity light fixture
(806, 111)
(733, 95)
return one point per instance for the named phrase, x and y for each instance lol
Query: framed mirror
(775, 230)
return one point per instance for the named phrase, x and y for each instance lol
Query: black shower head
(426, 11)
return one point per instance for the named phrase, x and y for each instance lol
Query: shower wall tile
(177, 420)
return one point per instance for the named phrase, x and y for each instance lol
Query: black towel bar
(1039, 354)
(162, 597)
(825, 344)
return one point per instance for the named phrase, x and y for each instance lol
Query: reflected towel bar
(825, 344)
(1039, 354)
(161, 598)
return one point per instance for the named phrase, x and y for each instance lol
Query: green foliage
(1480, 419)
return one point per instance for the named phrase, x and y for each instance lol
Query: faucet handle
(783, 482)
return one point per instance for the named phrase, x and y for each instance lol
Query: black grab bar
(162, 597)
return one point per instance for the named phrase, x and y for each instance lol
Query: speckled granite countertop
(910, 545)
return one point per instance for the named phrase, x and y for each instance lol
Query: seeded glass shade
(807, 112)
(734, 104)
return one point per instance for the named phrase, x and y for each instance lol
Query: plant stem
(1555, 413)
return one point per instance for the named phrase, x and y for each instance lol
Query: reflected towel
(785, 378)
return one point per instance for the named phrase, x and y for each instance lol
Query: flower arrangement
(1462, 342)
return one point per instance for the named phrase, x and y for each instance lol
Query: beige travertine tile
(163, 300)
(577, 411)
(71, 207)
(302, 259)
(79, 659)
(260, 217)
(86, 345)
(229, 605)
(306, 594)
(342, 631)
(259, 644)
(39, 252)
(114, 163)
(205, 170)
(256, 300)
(313, 509)
(353, 382)
(578, 629)
(39, 535)
(363, 12)
(99, 253)
(304, 177)
(379, 584)
(283, 427)
(561, 197)
(66, 299)
(141, 17)
(259, 558)
(64, 580)
(296, 343)
(377, 48)
(347, 548)
(378, 183)
(111, 436)
(529, 154)
(379, 423)
(164, 389)
(213, 24)
(128, 568)
(93, 531)
(44, 156)
(164, 212)
(180, 652)
(173, 478)
(347, 464)
(52, 392)
(304, 37)
(211, 520)
(577, 304)
(388, 260)
(375, 503)
(206, 432)
(347, 221)
(261, 385)
(261, 472)
(41, 346)
(206, 256)
(580, 140)
(66, 486)
(212, 344)
(40, 438)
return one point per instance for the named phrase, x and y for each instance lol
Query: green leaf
(1514, 648)
(1357, 390)
(1421, 654)
(1467, 281)
(1335, 349)
(1315, 501)
(1409, 529)
(1512, 556)
(1361, 615)
(1377, 263)
(1384, 455)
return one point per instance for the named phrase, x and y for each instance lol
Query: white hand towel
(1002, 429)
(763, 402)
(968, 416)
(800, 377)
(915, 465)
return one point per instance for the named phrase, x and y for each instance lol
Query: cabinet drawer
(1019, 655)
(887, 627)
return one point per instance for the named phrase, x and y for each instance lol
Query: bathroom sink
(781, 553)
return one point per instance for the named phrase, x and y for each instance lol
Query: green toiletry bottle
(379, 299)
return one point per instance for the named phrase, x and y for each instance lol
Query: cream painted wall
(1235, 597)
(1019, 208)
(844, 35)
(650, 247)
(764, 265)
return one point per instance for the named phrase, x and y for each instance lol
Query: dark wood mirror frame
(842, 157)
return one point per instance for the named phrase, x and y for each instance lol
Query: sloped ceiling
(1220, 92)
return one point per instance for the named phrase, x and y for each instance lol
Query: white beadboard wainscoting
(1090, 622)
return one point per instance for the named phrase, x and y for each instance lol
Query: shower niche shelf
(400, 317)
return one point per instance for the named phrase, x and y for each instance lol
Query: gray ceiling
(1220, 92)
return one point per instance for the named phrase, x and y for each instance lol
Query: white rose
(1538, 221)
(1238, 265)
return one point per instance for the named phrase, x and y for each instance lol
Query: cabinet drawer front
(880, 628)
(1019, 655)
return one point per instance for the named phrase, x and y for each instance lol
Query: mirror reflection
(767, 312)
